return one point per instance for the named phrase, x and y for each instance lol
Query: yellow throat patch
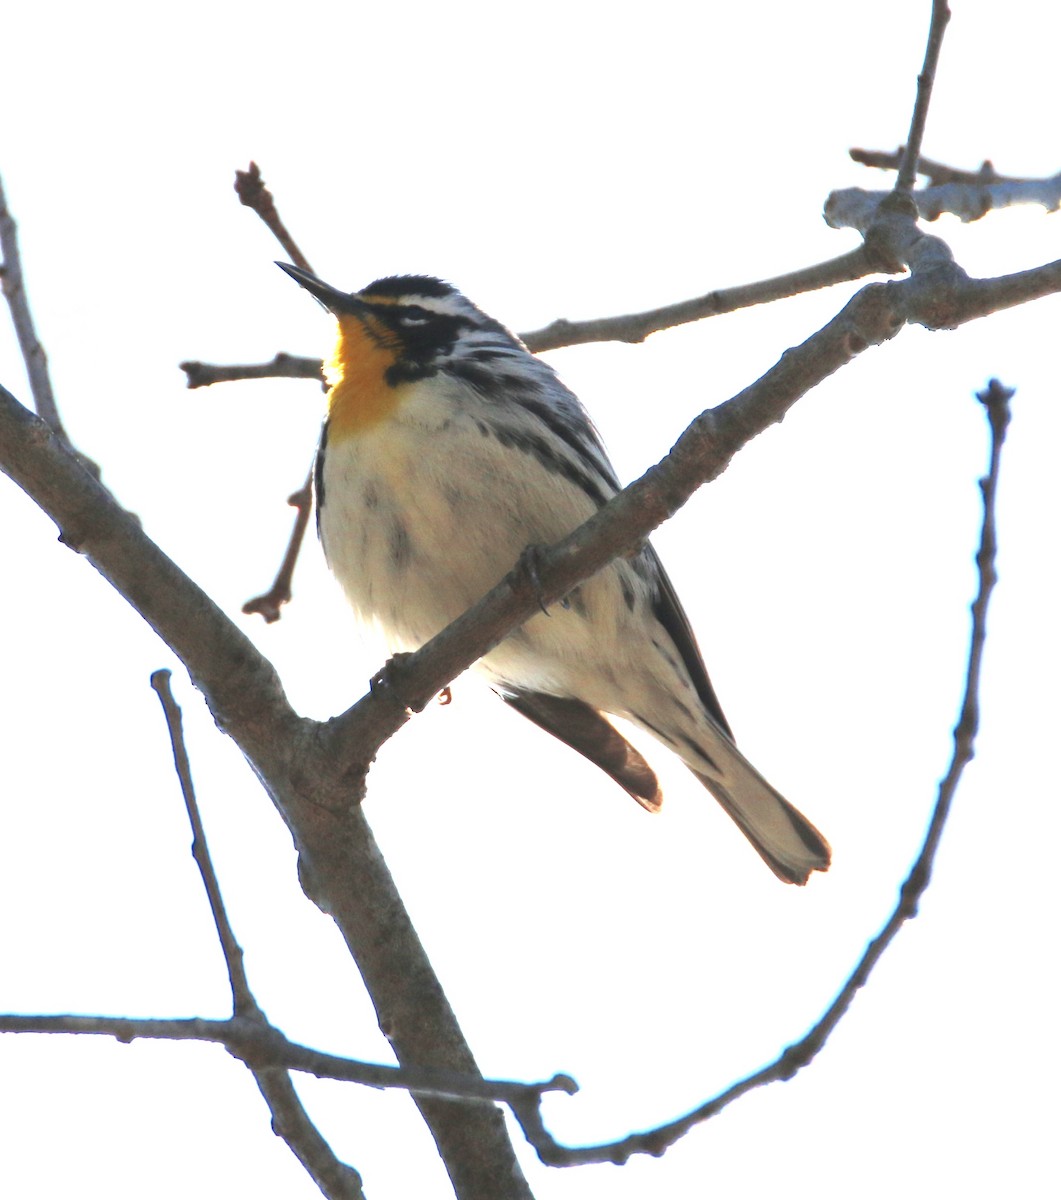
(359, 396)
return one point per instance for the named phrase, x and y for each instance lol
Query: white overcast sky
(552, 160)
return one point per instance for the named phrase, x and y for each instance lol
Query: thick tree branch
(852, 207)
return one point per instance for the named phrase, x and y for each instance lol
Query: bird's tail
(788, 843)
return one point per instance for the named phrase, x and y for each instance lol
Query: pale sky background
(552, 160)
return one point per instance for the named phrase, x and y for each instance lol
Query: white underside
(422, 515)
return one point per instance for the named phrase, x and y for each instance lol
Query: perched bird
(448, 449)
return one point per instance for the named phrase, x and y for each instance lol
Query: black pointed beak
(331, 298)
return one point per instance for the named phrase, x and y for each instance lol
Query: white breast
(424, 512)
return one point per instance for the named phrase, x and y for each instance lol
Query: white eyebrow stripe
(446, 306)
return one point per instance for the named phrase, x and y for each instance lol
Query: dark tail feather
(585, 730)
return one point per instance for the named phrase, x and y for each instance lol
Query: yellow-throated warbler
(447, 450)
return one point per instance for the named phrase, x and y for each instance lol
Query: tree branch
(969, 201)
(251, 189)
(336, 1180)
(280, 366)
(271, 602)
(925, 82)
(635, 327)
(626, 327)
(33, 354)
(264, 1046)
(243, 1002)
(936, 172)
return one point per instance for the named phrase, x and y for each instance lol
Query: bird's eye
(414, 315)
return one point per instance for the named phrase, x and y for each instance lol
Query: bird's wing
(584, 729)
(669, 612)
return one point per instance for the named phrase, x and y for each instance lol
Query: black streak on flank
(574, 439)
(480, 377)
(512, 388)
(318, 473)
(543, 451)
(401, 549)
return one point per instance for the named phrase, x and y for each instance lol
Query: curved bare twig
(800, 1054)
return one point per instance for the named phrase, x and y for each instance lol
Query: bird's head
(410, 324)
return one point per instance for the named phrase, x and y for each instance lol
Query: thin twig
(251, 189)
(33, 354)
(243, 1002)
(635, 327)
(262, 1045)
(337, 1180)
(800, 1054)
(280, 366)
(32, 351)
(625, 327)
(270, 604)
(937, 27)
(935, 172)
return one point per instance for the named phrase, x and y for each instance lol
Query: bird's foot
(529, 562)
